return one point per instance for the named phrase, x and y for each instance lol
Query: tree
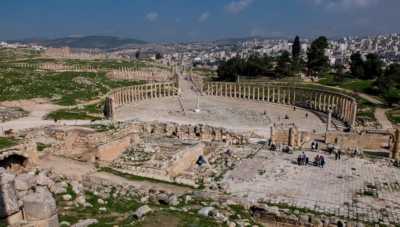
(389, 83)
(159, 56)
(230, 70)
(137, 54)
(283, 64)
(357, 66)
(296, 49)
(373, 66)
(317, 60)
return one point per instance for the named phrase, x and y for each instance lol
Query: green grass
(11, 54)
(119, 210)
(394, 115)
(106, 64)
(7, 142)
(61, 88)
(364, 86)
(41, 146)
(72, 114)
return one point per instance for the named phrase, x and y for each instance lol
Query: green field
(87, 112)
(65, 88)
(364, 86)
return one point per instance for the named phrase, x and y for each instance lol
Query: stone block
(8, 196)
(39, 205)
(24, 182)
(48, 222)
(15, 219)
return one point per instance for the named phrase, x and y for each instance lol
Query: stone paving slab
(351, 187)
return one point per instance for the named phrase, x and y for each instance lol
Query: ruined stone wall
(364, 140)
(290, 136)
(194, 132)
(26, 200)
(343, 107)
(185, 159)
(26, 151)
(110, 151)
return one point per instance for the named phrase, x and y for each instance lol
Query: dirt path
(38, 110)
(369, 98)
(380, 115)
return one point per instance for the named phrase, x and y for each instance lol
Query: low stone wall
(343, 107)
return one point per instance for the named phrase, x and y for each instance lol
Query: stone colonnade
(343, 107)
(137, 93)
(56, 67)
(144, 75)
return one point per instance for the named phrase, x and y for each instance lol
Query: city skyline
(182, 21)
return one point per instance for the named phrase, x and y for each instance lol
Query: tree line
(370, 67)
(284, 65)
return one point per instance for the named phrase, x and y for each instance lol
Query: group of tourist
(314, 146)
(303, 160)
(338, 154)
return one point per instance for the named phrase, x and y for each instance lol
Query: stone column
(396, 146)
(320, 102)
(294, 96)
(273, 94)
(292, 137)
(263, 93)
(268, 94)
(354, 117)
(279, 95)
(329, 122)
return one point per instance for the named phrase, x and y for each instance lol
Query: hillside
(90, 42)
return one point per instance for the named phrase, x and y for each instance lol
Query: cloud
(238, 6)
(345, 4)
(203, 17)
(152, 16)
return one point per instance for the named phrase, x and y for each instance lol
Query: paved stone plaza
(238, 115)
(352, 187)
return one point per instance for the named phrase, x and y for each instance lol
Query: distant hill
(90, 42)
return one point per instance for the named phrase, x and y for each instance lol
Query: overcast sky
(188, 20)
